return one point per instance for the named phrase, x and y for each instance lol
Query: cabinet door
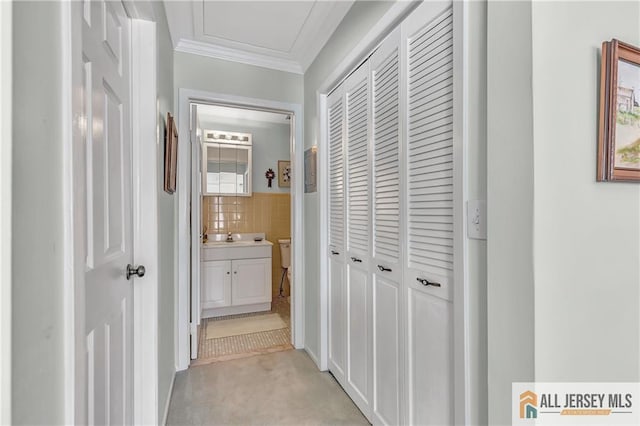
(428, 43)
(336, 215)
(216, 284)
(359, 367)
(386, 198)
(251, 281)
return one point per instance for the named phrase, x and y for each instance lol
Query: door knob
(139, 271)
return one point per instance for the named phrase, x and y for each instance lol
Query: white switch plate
(477, 219)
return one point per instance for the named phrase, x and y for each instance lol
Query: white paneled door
(106, 50)
(386, 268)
(337, 289)
(428, 38)
(357, 121)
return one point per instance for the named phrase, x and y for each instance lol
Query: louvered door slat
(430, 147)
(336, 175)
(357, 167)
(386, 185)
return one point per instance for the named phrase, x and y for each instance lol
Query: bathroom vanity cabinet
(235, 278)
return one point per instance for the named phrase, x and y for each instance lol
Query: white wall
(271, 142)
(510, 294)
(477, 190)
(587, 234)
(167, 250)
(233, 78)
(564, 250)
(37, 244)
(355, 25)
(6, 19)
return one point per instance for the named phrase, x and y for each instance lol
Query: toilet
(285, 262)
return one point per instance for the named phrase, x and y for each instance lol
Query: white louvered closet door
(357, 101)
(336, 214)
(428, 43)
(386, 213)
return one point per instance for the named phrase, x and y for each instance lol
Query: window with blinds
(336, 176)
(357, 168)
(386, 184)
(430, 146)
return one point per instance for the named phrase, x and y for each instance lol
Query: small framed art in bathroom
(170, 155)
(284, 174)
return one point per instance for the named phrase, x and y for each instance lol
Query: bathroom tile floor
(245, 345)
(283, 388)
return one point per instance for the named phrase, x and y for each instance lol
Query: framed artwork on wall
(310, 171)
(170, 155)
(284, 174)
(619, 124)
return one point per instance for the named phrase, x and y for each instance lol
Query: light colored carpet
(247, 325)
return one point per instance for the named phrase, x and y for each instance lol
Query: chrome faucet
(229, 238)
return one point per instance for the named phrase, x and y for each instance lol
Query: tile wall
(262, 212)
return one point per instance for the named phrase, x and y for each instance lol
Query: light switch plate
(477, 219)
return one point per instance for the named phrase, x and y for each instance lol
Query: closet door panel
(336, 215)
(427, 37)
(386, 355)
(429, 167)
(430, 359)
(387, 198)
(358, 207)
(337, 320)
(358, 352)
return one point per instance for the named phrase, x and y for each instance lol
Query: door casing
(183, 302)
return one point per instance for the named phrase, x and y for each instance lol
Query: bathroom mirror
(227, 167)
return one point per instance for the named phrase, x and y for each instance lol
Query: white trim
(461, 354)
(6, 19)
(235, 55)
(322, 177)
(165, 416)
(74, 202)
(186, 96)
(145, 220)
(378, 32)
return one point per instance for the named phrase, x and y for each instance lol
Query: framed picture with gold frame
(284, 174)
(170, 155)
(619, 133)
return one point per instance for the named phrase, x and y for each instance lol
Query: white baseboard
(314, 357)
(166, 406)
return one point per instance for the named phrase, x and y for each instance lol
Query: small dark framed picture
(170, 155)
(619, 126)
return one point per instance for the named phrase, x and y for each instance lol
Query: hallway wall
(564, 296)
(586, 233)
(37, 220)
(233, 78)
(166, 217)
(355, 25)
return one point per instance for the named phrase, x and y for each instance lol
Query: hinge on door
(193, 328)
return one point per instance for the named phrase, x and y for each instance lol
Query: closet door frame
(357, 55)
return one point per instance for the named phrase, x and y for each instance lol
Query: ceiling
(282, 35)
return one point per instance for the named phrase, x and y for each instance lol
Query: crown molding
(234, 55)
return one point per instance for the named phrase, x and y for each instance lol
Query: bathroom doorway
(241, 226)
